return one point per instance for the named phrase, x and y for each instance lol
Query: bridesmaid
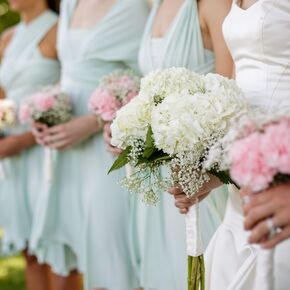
(28, 62)
(180, 33)
(86, 210)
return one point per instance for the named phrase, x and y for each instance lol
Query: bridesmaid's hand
(259, 208)
(108, 138)
(183, 203)
(13, 145)
(69, 134)
(39, 132)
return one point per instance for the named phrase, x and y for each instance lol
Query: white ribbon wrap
(193, 233)
(265, 270)
(48, 164)
(2, 170)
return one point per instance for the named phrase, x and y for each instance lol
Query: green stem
(196, 273)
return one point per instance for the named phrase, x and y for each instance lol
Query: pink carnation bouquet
(262, 158)
(50, 107)
(8, 115)
(257, 154)
(114, 91)
(8, 119)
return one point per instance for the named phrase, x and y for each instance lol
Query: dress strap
(41, 26)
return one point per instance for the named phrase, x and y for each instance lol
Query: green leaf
(149, 138)
(150, 148)
(148, 152)
(122, 160)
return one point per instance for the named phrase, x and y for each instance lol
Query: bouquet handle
(193, 234)
(195, 250)
(265, 270)
(2, 170)
(48, 164)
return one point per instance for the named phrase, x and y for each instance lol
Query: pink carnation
(275, 145)
(44, 102)
(24, 113)
(104, 104)
(249, 167)
(125, 82)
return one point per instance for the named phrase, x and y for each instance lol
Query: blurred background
(7, 17)
(11, 269)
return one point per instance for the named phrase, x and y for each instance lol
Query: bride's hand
(69, 134)
(270, 205)
(108, 138)
(183, 203)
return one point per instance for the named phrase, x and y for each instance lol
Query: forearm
(26, 140)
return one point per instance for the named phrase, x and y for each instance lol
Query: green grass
(12, 273)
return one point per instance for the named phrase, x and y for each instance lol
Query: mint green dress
(23, 71)
(160, 231)
(86, 209)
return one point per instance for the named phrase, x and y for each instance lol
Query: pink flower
(104, 104)
(249, 167)
(44, 102)
(275, 145)
(25, 113)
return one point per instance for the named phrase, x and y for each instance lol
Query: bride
(257, 34)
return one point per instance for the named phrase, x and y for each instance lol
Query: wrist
(96, 123)
(26, 140)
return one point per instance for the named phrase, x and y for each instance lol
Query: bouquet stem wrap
(265, 271)
(2, 170)
(48, 164)
(195, 250)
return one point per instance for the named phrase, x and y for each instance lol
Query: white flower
(161, 83)
(131, 123)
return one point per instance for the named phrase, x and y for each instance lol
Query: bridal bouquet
(176, 118)
(49, 107)
(8, 118)
(114, 91)
(257, 154)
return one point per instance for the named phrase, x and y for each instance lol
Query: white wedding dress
(259, 40)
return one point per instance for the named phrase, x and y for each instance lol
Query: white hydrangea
(193, 122)
(131, 123)
(161, 83)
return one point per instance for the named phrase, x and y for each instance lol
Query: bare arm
(212, 15)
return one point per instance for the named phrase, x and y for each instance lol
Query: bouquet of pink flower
(8, 115)
(51, 107)
(114, 91)
(257, 154)
(262, 158)
(8, 119)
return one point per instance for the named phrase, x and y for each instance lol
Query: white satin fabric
(259, 40)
